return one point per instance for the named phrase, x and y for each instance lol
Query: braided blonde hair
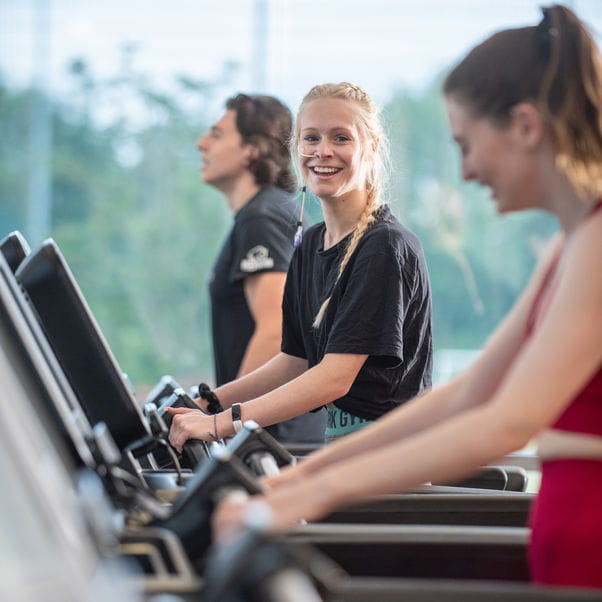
(375, 153)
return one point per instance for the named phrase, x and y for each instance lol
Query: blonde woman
(357, 306)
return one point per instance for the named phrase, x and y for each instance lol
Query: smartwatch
(236, 421)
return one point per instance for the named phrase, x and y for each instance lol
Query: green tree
(144, 252)
(137, 227)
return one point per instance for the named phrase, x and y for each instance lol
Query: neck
(341, 216)
(557, 194)
(571, 215)
(568, 207)
(240, 191)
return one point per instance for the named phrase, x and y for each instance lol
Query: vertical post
(40, 135)
(260, 45)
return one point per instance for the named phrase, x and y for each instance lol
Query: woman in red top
(525, 108)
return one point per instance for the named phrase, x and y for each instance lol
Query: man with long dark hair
(245, 155)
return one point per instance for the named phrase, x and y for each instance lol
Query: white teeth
(325, 169)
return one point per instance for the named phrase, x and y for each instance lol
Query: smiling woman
(333, 163)
(356, 333)
(537, 141)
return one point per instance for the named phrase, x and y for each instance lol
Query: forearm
(447, 451)
(441, 453)
(305, 390)
(271, 375)
(412, 417)
(310, 390)
(473, 387)
(286, 401)
(320, 385)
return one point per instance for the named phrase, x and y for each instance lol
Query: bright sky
(379, 44)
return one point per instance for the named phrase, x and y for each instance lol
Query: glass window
(102, 103)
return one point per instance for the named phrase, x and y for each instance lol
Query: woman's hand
(288, 475)
(187, 424)
(278, 509)
(232, 516)
(202, 403)
(229, 517)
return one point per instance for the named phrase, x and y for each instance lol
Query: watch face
(236, 422)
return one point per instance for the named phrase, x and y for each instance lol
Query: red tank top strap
(597, 207)
(549, 275)
(543, 287)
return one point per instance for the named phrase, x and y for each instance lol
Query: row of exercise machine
(99, 506)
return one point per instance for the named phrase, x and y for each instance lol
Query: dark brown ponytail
(554, 65)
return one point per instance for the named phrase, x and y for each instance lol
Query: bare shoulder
(584, 245)
(582, 266)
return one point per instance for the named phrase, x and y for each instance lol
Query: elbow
(339, 391)
(337, 373)
(515, 439)
(270, 336)
(509, 433)
(338, 385)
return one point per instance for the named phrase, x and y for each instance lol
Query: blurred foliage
(141, 231)
(478, 262)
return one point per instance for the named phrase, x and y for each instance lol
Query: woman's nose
(323, 149)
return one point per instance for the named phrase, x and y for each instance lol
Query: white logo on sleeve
(258, 258)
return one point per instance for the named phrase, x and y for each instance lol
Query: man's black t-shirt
(261, 240)
(381, 306)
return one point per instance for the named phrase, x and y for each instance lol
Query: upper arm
(264, 297)
(565, 350)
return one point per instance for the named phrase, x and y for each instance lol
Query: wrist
(310, 465)
(327, 494)
(236, 414)
(224, 425)
(213, 403)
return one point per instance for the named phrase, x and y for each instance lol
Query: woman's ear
(529, 124)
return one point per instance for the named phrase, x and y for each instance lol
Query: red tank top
(584, 414)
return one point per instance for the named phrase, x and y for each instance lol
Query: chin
(508, 207)
(503, 206)
(320, 191)
(501, 209)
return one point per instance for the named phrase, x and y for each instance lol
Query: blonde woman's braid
(375, 149)
(366, 220)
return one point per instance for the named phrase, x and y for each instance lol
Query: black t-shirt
(261, 240)
(381, 306)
